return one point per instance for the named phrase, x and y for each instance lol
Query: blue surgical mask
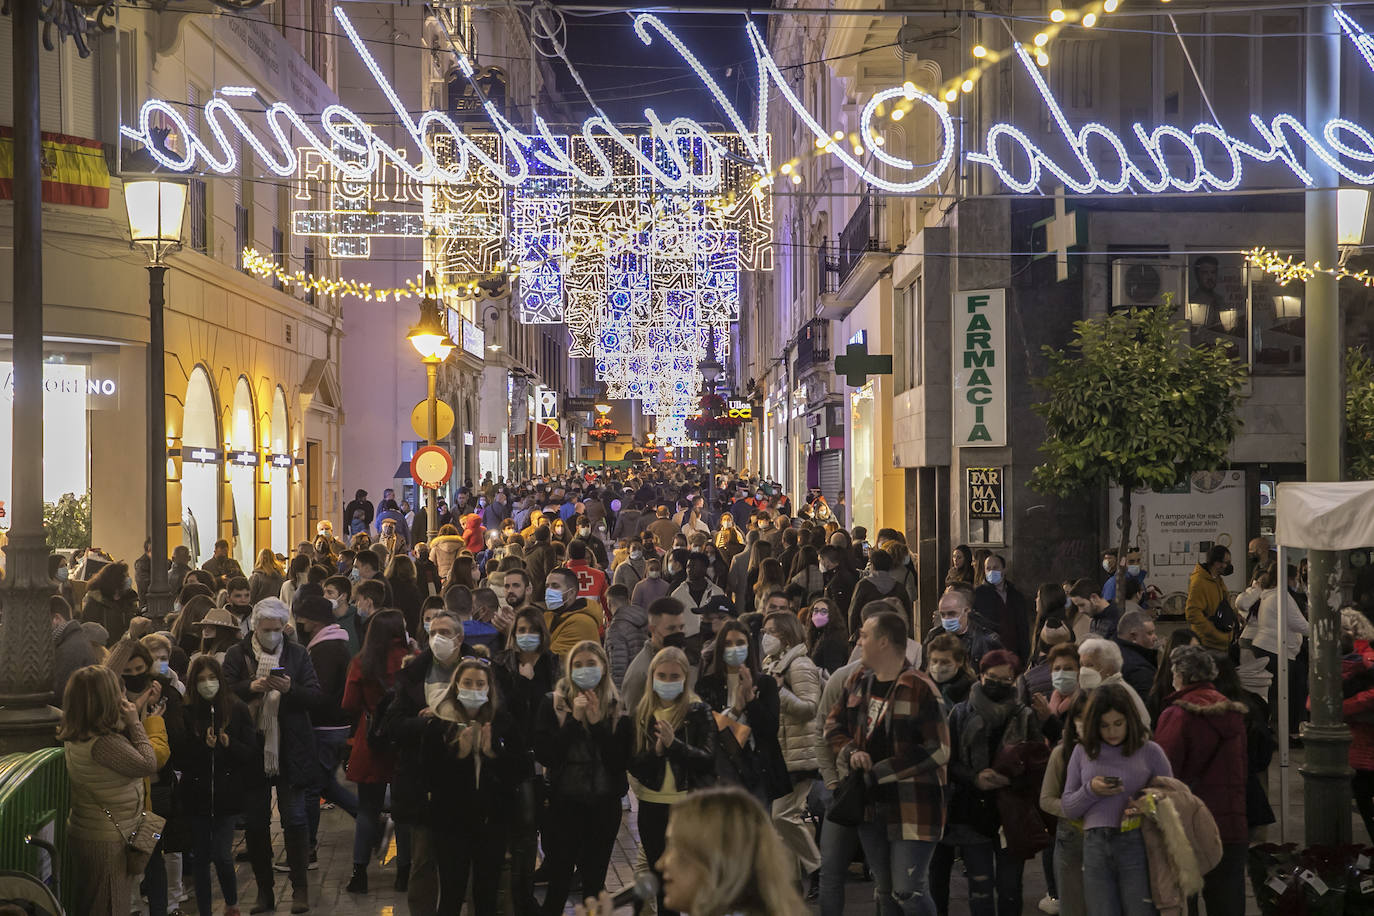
(587, 677)
(62, 573)
(163, 668)
(354, 574)
(951, 624)
(427, 625)
(1133, 569)
(553, 598)
(527, 642)
(472, 700)
(994, 577)
(668, 690)
(1064, 682)
(736, 655)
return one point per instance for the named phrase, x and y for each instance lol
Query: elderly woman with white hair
(1100, 663)
(274, 676)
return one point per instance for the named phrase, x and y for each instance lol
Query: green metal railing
(35, 797)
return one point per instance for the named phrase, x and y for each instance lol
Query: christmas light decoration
(1285, 268)
(262, 266)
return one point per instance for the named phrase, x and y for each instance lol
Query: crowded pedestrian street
(560, 458)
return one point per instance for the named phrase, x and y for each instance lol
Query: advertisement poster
(1175, 528)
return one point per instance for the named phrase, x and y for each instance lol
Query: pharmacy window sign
(984, 493)
(980, 368)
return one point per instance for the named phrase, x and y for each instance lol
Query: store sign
(980, 371)
(245, 458)
(741, 410)
(474, 340)
(546, 405)
(198, 455)
(280, 461)
(985, 493)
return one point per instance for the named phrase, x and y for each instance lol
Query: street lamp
(431, 341)
(156, 208)
(711, 371)
(603, 407)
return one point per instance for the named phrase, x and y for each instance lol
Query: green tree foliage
(1131, 403)
(1359, 414)
(67, 522)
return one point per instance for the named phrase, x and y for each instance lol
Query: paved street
(335, 866)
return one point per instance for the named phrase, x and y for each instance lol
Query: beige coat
(1181, 844)
(799, 697)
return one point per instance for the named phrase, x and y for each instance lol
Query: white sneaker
(1049, 905)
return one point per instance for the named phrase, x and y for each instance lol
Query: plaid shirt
(919, 741)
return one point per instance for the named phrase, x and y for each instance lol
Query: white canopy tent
(1313, 516)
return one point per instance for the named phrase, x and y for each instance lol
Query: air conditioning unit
(1144, 282)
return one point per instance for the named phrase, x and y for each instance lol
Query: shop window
(199, 213)
(908, 327)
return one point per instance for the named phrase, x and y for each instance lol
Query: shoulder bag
(139, 845)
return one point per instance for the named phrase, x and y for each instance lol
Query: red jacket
(361, 696)
(1358, 711)
(474, 534)
(591, 582)
(1203, 735)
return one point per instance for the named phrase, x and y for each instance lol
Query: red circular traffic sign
(431, 467)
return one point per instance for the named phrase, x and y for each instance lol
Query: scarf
(988, 718)
(1060, 703)
(267, 721)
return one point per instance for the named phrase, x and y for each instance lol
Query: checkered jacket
(910, 795)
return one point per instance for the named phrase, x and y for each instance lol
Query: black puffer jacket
(692, 755)
(297, 755)
(213, 779)
(457, 796)
(584, 763)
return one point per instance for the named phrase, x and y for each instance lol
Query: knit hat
(315, 608)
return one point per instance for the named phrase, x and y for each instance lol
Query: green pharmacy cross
(857, 364)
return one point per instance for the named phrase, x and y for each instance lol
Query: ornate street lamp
(156, 208)
(431, 341)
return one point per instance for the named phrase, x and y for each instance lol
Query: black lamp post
(711, 370)
(156, 208)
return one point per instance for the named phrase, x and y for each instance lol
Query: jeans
(994, 878)
(653, 830)
(1068, 869)
(257, 816)
(579, 835)
(367, 830)
(479, 852)
(838, 844)
(329, 744)
(1223, 888)
(796, 834)
(901, 880)
(154, 885)
(212, 841)
(1116, 875)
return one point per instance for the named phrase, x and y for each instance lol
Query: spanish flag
(74, 170)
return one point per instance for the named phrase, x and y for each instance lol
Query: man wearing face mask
(274, 676)
(337, 590)
(666, 626)
(1135, 634)
(696, 591)
(1135, 572)
(633, 570)
(327, 644)
(1003, 606)
(958, 617)
(419, 687)
(570, 619)
(1208, 609)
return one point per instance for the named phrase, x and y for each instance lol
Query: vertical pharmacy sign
(980, 367)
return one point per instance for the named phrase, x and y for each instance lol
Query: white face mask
(443, 647)
(770, 644)
(1089, 678)
(269, 639)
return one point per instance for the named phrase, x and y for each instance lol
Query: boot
(259, 850)
(402, 879)
(358, 883)
(298, 858)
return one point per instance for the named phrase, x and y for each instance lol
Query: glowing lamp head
(156, 208)
(1110, 6)
(1287, 308)
(1352, 210)
(1042, 58)
(1057, 15)
(796, 179)
(980, 51)
(1089, 20)
(898, 114)
(428, 337)
(909, 90)
(1041, 40)
(966, 85)
(1197, 313)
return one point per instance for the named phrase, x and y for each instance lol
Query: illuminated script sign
(1101, 160)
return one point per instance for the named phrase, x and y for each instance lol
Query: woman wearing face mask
(827, 638)
(947, 665)
(371, 675)
(474, 758)
(652, 587)
(1064, 859)
(217, 629)
(526, 672)
(632, 569)
(583, 741)
(160, 648)
(799, 692)
(989, 720)
(214, 759)
(674, 751)
(728, 539)
(1051, 629)
(735, 689)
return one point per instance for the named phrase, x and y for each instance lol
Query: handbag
(848, 804)
(139, 845)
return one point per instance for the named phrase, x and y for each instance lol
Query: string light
(1285, 269)
(898, 114)
(1057, 15)
(980, 51)
(1089, 20)
(263, 267)
(967, 86)
(1042, 39)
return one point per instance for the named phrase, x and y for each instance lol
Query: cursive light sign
(1100, 159)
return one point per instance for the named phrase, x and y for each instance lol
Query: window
(908, 327)
(199, 213)
(240, 233)
(278, 254)
(308, 264)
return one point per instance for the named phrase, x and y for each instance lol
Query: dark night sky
(625, 76)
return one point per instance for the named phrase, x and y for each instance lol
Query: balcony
(861, 257)
(813, 346)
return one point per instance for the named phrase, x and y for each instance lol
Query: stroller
(22, 894)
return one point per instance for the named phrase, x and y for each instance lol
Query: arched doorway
(200, 481)
(243, 478)
(281, 492)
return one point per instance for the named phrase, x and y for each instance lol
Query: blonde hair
(155, 641)
(648, 703)
(747, 870)
(606, 694)
(91, 704)
(268, 563)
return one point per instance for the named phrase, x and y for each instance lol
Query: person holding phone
(1112, 764)
(274, 676)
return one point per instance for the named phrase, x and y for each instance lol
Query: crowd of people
(761, 680)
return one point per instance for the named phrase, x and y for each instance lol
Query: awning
(546, 438)
(1326, 516)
